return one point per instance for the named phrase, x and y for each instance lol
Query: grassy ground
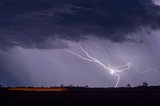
(143, 96)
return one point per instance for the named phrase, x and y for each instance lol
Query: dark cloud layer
(33, 23)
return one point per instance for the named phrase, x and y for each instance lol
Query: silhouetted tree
(128, 85)
(145, 84)
(86, 86)
(70, 85)
(62, 86)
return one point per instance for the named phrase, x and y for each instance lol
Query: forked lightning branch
(113, 71)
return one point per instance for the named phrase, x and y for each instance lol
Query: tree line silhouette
(144, 84)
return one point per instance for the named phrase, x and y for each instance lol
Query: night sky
(35, 36)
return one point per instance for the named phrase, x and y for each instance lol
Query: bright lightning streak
(95, 60)
(112, 71)
(115, 69)
(104, 54)
(80, 56)
(127, 67)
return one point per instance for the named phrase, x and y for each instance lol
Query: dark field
(140, 96)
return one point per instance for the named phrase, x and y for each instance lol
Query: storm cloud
(47, 24)
(34, 36)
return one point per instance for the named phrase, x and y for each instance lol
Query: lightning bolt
(113, 71)
(145, 71)
(128, 64)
